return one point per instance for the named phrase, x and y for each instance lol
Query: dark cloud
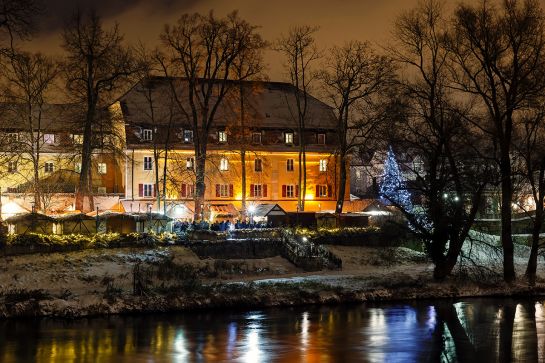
(56, 12)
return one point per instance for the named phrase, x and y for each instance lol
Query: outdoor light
(251, 209)
(456, 198)
(305, 239)
(445, 196)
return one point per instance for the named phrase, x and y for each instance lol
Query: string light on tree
(393, 189)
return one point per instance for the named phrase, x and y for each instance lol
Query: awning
(223, 210)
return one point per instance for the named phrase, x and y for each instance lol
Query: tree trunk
(243, 175)
(531, 269)
(506, 237)
(86, 153)
(342, 185)
(200, 186)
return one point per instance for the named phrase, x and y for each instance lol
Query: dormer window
(49, 138)
(222, 136)
(288, 138)
(190, 163)
(188, 135)
(320, 138)
(256, 138)
(147, 135)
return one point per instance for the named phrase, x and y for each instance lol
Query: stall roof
(224, 210)
(265, 210)
(74, 217)
(30, 216)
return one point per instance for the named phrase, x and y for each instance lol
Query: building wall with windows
(270, 141)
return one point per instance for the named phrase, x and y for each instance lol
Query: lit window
(49, 167)
(224, 164)
(257, 190)
(147, 135)
(147, 190)
(148, 163)
(323, 164)
(256, 138)
(77, 167)
(222, 136)
(289, 165)
(190, 163)
(322, 190)
(321, 139)
(13, 137)
(12, 166)
(290, 191)
(288, 137)
(102, 168)
(223, 190)
(49, 138)
(188, 135)
(258, 165)
(77, 139)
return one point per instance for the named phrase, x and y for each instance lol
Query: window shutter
(297, 191)
(283, 191)
(217, 190)
(317, 190)
(252, 190)
(231, 191)
(140, 190)
(154, 190)
(329, 191)
(184, 190)
(265, 190)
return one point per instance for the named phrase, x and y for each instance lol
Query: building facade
(268, 141)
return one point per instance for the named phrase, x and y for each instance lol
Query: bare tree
(202, 49)
(28, 78)
(17, 20)
(499, 55)
(453, 179)
(97, 64)
(354, 80)
(529, 149)
(300, 50)
(247, 65)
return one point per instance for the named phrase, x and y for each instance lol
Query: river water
(473, 330)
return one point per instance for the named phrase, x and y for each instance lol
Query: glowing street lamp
(251, 210)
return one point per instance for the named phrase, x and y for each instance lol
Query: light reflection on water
(477, 330)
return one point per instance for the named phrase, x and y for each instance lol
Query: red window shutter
(297, 191)
(140, 190)
(329, 191)
(317, 190)
(217, 190)
(231, 191)
(265, 190)
(283, 191)
(252, 190)
(184, 190)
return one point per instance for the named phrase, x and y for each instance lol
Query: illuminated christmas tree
(393, 189)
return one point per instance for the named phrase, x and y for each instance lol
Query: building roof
(268, 105)
(54, 117)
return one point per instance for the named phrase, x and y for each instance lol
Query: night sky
(143, 20)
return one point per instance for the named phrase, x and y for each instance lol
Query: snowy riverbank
(173, 278)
